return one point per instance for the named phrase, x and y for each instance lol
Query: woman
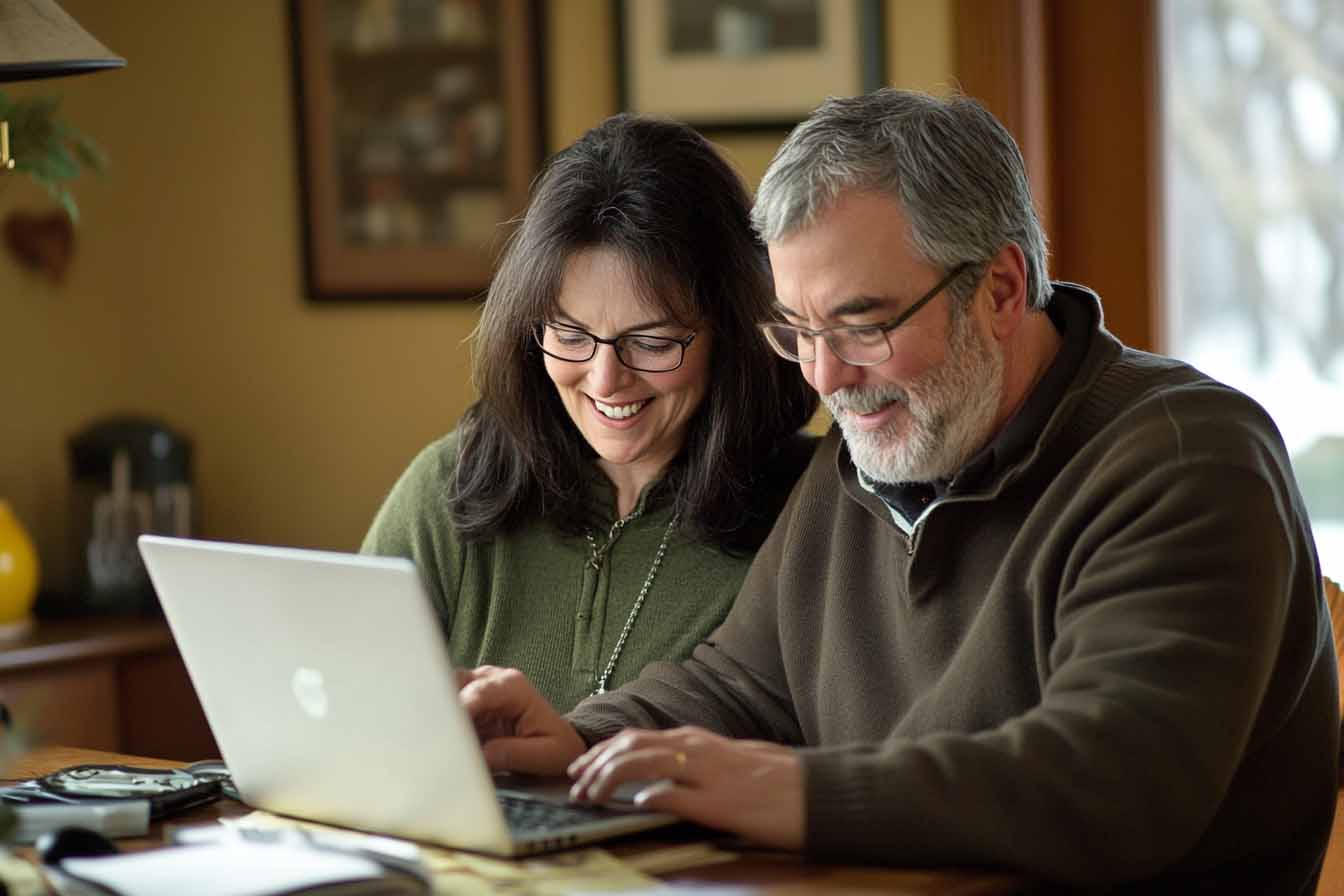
(635, 438)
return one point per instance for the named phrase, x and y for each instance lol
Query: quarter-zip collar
(1086, 346)
(602, 496)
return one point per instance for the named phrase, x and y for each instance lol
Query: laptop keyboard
(529, 816)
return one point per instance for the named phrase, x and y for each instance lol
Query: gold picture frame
(745, 65)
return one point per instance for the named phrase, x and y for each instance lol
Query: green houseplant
(47, 148)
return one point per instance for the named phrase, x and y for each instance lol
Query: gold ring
(680, 758)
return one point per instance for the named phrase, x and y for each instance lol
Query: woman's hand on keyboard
(518, 729)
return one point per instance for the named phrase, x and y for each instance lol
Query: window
(1253, 113)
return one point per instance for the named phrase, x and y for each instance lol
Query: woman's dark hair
(658, 195)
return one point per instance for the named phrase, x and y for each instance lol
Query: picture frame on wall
(745, 65)
(420, 126)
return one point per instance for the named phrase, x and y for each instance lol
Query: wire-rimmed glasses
(638, 351)
(861, 345)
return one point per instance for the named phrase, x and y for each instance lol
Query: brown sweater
(1110, 665)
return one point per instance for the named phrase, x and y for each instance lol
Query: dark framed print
(420, 127)
(745, 64)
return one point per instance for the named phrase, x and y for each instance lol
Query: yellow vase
(18, 574)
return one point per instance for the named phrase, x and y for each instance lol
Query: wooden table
(753, 872)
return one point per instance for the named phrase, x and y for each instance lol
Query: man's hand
(749, 787)
(518, 729)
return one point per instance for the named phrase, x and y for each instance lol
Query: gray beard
(950, 412)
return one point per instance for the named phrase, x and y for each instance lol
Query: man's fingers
(596, 755)
(585, 768)
(667, 796)
(626, 741)
(601, 778)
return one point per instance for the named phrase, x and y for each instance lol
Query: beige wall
(185, 298)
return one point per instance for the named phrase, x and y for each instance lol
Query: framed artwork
(745, 65)
(420, 127)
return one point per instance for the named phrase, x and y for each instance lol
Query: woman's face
(629, 417)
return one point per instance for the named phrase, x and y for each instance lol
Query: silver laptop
(328, 686)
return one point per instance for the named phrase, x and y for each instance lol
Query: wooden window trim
(1077, 84)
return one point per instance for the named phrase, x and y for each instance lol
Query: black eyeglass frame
(884, 328)
(539, 331)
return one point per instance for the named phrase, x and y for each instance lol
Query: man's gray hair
(955, 170)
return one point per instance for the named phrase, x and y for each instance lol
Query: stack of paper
(234, 867)
(457, 873)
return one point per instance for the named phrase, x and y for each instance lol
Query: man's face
(922, 413)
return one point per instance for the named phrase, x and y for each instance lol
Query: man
(1041, 601)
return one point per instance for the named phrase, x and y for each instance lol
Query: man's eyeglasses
(862, 345)
(650, 354)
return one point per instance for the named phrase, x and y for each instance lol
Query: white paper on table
(229, 869)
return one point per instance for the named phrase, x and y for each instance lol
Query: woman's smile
(620, 411)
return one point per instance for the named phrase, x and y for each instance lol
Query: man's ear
(1006, 284)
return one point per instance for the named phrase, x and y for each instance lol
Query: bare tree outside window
(1253, 102)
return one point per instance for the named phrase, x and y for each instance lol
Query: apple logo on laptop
(310, 690)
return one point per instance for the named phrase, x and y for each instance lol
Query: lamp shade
(39, 40)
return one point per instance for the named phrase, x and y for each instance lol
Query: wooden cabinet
(105, 684)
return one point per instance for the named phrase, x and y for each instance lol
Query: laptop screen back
(328, 688)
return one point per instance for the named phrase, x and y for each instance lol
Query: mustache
(864, 399)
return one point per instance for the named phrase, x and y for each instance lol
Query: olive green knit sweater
(530, 598)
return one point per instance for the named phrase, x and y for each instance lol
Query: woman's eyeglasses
(650, 354)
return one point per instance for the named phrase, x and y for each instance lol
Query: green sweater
(529, 598)
(1110, 665)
